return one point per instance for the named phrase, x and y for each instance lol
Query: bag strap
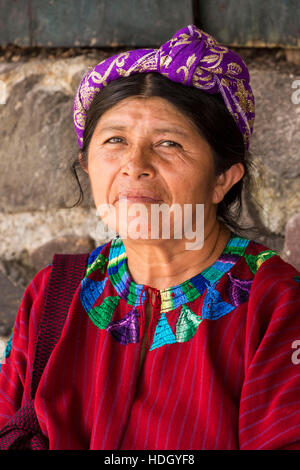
(67, 272)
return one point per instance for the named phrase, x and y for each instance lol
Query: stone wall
(38, 145)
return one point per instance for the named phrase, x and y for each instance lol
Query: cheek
(101, 177)
(202, 179)
(193, 186)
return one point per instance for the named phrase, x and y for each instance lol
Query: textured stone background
(38, 145)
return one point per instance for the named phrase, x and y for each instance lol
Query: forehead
(145, 111)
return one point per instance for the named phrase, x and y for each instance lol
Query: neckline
(175, 296)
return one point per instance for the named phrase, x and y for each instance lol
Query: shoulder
(273, 296)
(32, 304)
(266, 284)
(271, 273)
(30, 310)
(36, 289)
(262, 264)
(98, 259)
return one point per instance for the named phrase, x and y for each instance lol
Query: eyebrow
(161, 130)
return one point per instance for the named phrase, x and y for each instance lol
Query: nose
(137, 163)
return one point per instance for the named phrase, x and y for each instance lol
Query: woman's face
(145, 149)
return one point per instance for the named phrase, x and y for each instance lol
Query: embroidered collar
(111, 260)
(171, 297)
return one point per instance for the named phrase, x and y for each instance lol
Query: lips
(143, 196)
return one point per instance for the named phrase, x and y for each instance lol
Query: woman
(166, 347)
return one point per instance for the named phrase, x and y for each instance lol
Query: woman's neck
(166, 263)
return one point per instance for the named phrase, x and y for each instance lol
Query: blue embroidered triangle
(163, 333)
(214, 306)
(90, 292)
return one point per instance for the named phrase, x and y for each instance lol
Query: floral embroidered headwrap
(191, 57)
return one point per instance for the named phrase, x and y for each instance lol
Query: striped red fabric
(234, 385)
(22, 431)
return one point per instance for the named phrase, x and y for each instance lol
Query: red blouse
(221, 368)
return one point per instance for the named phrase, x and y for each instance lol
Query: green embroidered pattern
(190, 291)
(99, 263)
(187, 324)
(101, 315)
(254, 262)
(236, 249)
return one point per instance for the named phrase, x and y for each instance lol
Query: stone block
(38, 142)
(291, 250)
(275, 146)
(43, 255)
(22, 233)
(10, 300)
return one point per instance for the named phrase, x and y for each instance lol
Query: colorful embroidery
(99, 263)
(163, 333)
(234, 249)
(254, 262)
(187, 324)
(90, 292)
(172, 297)
(94, 255)
(8, 346)
(297, 278)
(126, 330)
(214, 306)
(118, 273)
(101, 315)
(7, 350)
(112, 262)
(238, 290)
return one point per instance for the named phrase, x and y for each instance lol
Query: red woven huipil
(221, 369)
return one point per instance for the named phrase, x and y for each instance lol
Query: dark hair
(207, 111)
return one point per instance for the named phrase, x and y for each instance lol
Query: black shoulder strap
(67, 272)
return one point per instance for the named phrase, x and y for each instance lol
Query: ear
(82, 162)
(226, 180)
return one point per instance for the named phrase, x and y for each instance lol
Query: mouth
(141, 198)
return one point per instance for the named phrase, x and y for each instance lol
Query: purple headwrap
(191, 57)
